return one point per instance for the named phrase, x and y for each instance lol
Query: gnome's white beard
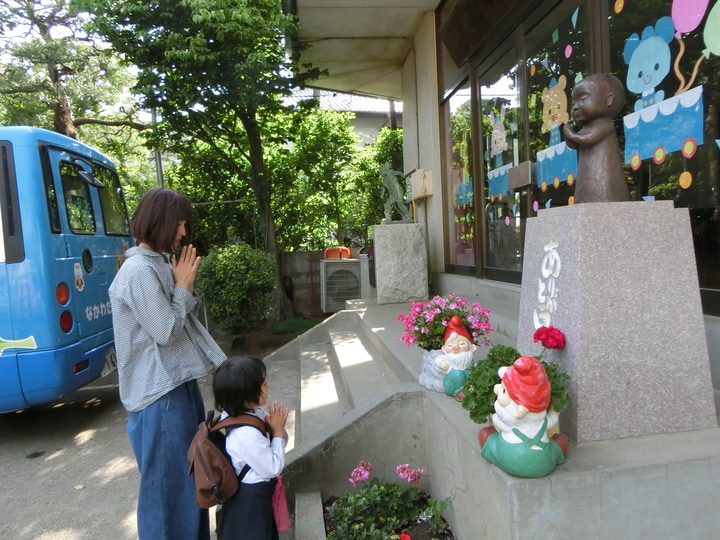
(457, 360)
(505, 420)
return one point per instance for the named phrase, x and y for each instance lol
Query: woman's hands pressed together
(185, 267)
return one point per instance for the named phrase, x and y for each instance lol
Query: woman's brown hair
(156, 218)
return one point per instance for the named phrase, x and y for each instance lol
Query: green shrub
(236, 282)
(479, 395)
(559, 396)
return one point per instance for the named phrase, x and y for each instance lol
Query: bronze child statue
(596, 100)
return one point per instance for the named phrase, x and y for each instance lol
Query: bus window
(50, 192)
(77, 200)
(112, 202)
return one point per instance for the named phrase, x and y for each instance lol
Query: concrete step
(326, 374)
(362, 368)
(309, 521)
(323, 395)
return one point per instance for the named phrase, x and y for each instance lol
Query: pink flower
(360, 473)
(406, 472)
(426, 323)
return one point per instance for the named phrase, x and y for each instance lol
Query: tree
(366, 177)
(213, 70)
(54, 74)
(323, 152)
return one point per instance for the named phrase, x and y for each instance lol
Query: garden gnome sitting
(596, 100)
(522, 447)
(458, 348)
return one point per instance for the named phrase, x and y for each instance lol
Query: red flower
(550, 337)
(405, 536)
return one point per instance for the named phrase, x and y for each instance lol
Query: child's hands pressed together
(277, 417)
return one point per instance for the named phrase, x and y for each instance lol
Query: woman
(162, 349)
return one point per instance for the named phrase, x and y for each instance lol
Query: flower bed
(384, 510)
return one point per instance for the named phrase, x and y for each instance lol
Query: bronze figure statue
(596, 100)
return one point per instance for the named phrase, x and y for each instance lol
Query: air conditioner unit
(340, 281)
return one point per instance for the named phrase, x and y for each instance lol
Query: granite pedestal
(620, 280)
(401, 273)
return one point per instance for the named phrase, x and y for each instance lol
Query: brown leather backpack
(215, 478)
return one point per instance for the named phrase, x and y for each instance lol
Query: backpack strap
(244, 471)
(243, 419)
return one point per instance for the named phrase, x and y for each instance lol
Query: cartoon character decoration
(498, 139)
(79, 280)
(458, 348)
(555, 108)
(519, 443)
(558, 162)
(596, 100)
(664, 124)
(497, 177)
(648, 58)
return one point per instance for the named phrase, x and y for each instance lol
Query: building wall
(423, 149)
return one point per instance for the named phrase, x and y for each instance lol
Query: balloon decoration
(711, 33)
(687, 15)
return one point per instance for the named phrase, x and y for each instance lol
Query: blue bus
(64, 230)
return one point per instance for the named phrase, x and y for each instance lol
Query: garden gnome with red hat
(458, 348)
(522, 447)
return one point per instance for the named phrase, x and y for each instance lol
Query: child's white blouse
(245, 444)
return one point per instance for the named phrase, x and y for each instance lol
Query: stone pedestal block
(620, 280)
(401, 271)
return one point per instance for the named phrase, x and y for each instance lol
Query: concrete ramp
(358, 399)
(326, 372)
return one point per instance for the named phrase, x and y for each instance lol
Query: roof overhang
(362, 44)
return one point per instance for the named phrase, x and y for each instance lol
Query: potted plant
(479, 394)
(428, 324)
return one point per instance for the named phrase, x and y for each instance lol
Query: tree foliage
(324, 147)
(56, 75)
(214, 70)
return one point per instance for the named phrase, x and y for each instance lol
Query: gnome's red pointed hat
(455, 325)
(527, 383)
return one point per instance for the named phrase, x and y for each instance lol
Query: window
(501, 127)
(557, 59)
(77, 200)
(524, 103)
(112, 202)
(460, 187)
(666, 55)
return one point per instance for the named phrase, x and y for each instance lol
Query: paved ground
(67, 471)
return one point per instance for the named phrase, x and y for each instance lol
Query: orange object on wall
(337, 252)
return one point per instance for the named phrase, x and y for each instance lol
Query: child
(239, 386)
